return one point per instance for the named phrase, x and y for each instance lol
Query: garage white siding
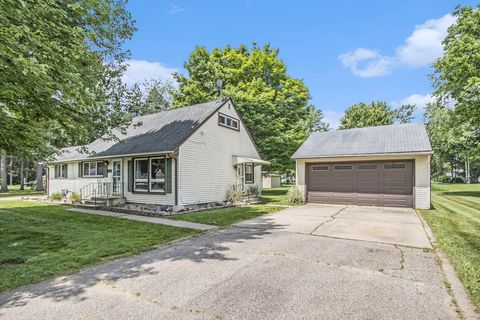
(205, 160)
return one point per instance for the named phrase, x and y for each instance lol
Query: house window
(94, 168)
(61, 171)
(157, 174)
(249, 173)
(229, 122)
(319, 168)
(141, 175)
(150, 175)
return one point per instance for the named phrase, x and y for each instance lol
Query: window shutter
(65, 171)
(56, 172)
(130, 175)
(80, 169)
(169, 175)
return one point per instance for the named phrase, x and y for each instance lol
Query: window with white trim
(94, 168)
(61, 171)
(229, 122)
(141, 175)
(157, 174)
(249, 176)
(150, 175)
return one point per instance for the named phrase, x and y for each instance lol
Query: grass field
(455, 221)
(39, 241)
(272, 200)
(14, 191)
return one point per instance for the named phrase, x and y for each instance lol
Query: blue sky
(345, 51)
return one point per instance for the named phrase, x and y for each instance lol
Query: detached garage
(380, 166)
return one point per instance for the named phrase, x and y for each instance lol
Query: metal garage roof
(390, 139)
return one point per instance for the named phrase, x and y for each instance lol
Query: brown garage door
(379, 183)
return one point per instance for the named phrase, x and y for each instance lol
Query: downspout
(176, 179)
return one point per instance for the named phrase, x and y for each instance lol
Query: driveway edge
(464, 304)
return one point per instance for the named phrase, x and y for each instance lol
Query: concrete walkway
(167, 222)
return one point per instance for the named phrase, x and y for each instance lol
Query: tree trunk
(39, 177)
(11, 171)
(3, 171)
(467, 170)
(22, 176)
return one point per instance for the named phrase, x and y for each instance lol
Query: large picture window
(150, 175)
(249, 173)
(94, 169)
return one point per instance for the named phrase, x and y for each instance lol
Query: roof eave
(115, 156)
(413, 153)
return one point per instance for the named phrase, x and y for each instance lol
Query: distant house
(182, 156)
(383, 166)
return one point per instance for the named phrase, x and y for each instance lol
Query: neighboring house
(182, 156)
(384, 165)
(272, 180)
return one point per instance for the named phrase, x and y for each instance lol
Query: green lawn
(272, 200)
(14, 191)
(455, 221)
(39, 241)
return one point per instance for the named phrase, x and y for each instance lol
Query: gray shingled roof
(397, 138)
(160, 132)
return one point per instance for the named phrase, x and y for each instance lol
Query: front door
(117, 177)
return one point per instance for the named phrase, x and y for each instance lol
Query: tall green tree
(274, 106)
(377, 113)
(150, 97)
(455, 142)
(60, 68)
(456, 76)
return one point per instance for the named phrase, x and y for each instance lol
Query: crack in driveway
(332, 218)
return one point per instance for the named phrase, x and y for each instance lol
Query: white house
(182, 156)
(384, 165)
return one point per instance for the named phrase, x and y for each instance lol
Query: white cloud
(421, 48)
(333, 118)
(419, 100)
(175, 9)
(366, 63)
(424, 45)
(140, 70)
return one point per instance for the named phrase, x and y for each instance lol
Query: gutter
(365, 155)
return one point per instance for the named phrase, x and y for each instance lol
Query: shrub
(253, 190)
(56, 196)
(234, 196)
(295, 196)
(75, 197)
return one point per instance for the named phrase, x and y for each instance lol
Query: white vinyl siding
(422, 182)
(205, 160)
(73, 183)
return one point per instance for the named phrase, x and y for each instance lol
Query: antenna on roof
(219, 87)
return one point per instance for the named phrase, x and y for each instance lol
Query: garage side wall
(422, 182)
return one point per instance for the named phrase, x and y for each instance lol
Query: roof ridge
(178, 108)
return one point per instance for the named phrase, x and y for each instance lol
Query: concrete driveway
(400, 226)
(275, 267)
